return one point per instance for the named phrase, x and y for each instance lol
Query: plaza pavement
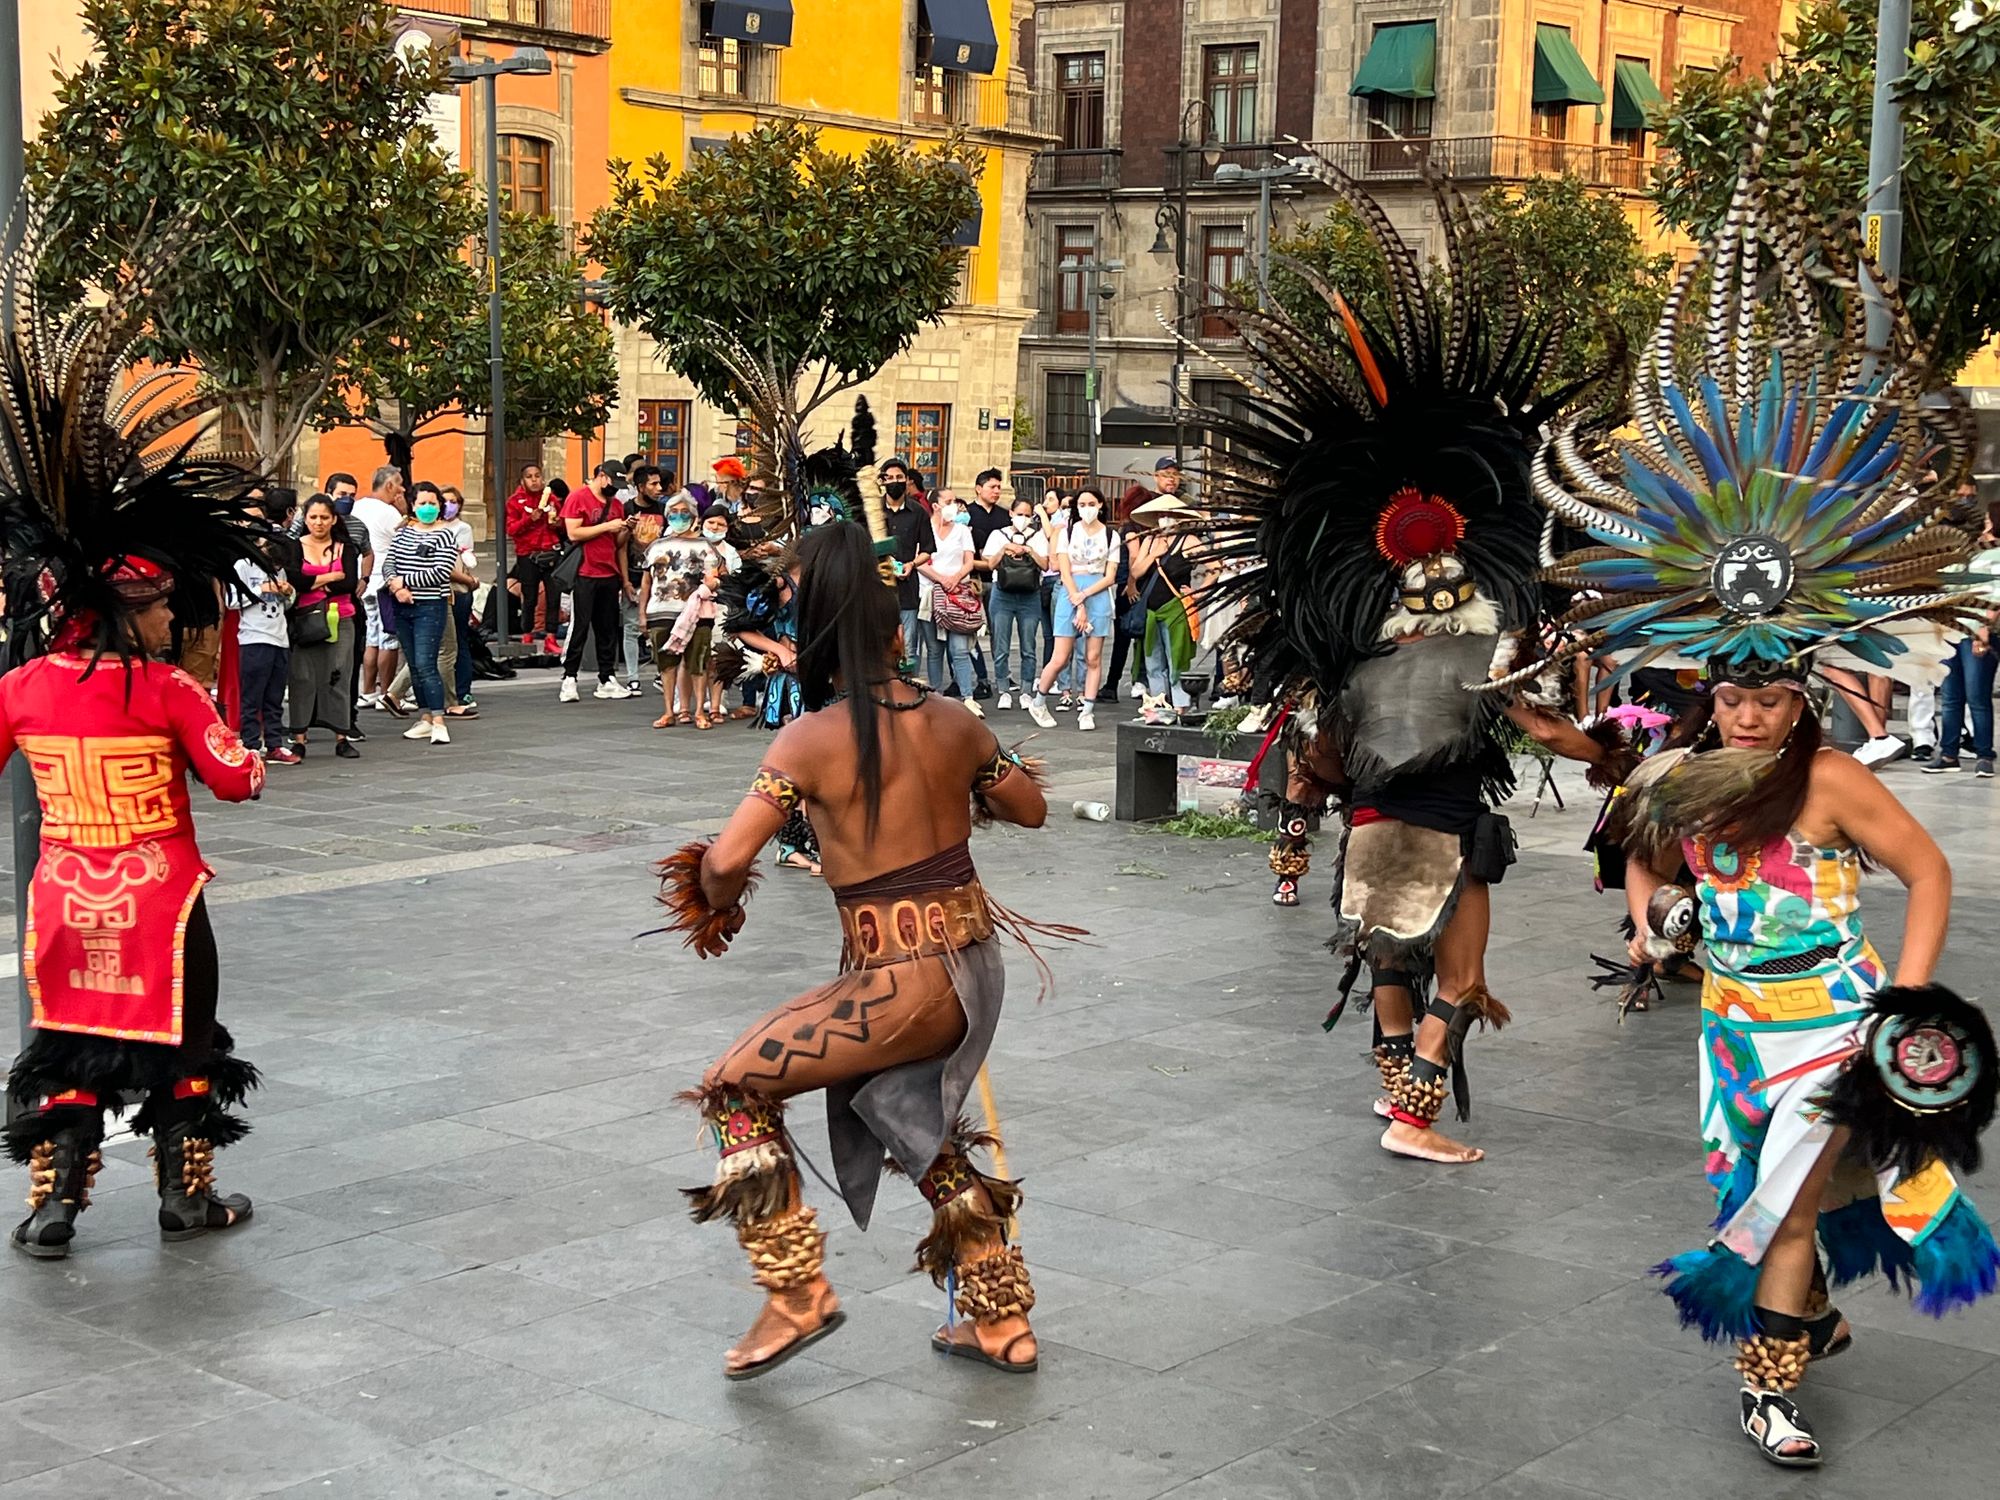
(470, 1275)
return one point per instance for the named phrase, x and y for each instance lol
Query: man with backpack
(1016, 556)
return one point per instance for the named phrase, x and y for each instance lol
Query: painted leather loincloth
(933, 917)
(1398, 884)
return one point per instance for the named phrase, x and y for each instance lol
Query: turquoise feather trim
(1957, 1263)
(1859, 1242)
(1715, 1291)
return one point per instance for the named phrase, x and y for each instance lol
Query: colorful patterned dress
(1789, 979)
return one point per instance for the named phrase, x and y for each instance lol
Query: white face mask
(715, 536)
(1086, 513)
(1024, 524)
(948, 515)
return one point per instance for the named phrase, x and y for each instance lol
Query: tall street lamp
(1265, 178)
(527, 60)
(1096, 294)
(1197, 128)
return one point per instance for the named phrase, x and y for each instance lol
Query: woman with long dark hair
(323, 624)
(891, 776)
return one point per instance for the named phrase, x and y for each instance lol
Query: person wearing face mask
(649, 499)
(677, 562)
(317, 690)
(593, 517)
(910, 530)
(455, 659)
(1057, 516)
(1087, 557)
(1015, 557)
(949, 572)
(421, 567)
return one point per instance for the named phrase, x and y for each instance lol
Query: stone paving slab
(470, 1274)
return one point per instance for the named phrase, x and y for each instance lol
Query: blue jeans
(953, 653)
(1161, 678)
(420, 628)
(1968, 684)
(913, 644)
(1015, 617)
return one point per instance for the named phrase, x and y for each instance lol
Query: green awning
(1560, 75)
(1402, 61)
(1634, 95)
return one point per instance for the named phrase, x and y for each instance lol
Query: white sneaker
(417, 732)
(370, 700)
(1881, 750)
(613, 689)
(568, 693)
(1004, 701)
(439, 734)
(1086, 717)
(977, 711)
(1038, 710)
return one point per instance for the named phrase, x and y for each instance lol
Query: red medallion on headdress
(1414, 526)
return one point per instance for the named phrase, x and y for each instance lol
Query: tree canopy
(1825, 89)
(799, 257)
(289, 142)
(1579, 260)
(558, 360)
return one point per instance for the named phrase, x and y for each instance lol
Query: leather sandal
(1827, 1339)
(1770, 1420)
(944, 1343)
(775, 1307)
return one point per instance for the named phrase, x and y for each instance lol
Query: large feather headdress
(97, 485)
(1783, 497)
(1406, 435)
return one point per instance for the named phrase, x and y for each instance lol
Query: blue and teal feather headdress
(1781, 497)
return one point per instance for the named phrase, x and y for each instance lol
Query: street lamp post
(1265, 178)
(1095, 293)
(1883, 225)
(528, 60)
(1196, 116)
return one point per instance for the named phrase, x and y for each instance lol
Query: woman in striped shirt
(423, 559)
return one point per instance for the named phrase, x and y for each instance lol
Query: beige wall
(51, 35)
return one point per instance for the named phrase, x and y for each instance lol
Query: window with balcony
(1075, 244)
(1066, 413)
(1222, 256)
(721, 67)
(1634, 100)
(524, 174)
(1229, 84)
(1397, 129)
(1080, 85)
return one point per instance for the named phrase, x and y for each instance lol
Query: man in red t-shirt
(593, 516)
(534, 526)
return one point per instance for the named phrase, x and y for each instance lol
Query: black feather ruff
(1300, 470)
(1924, 1085)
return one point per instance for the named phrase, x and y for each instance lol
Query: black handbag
(568, 568)
(312, 627)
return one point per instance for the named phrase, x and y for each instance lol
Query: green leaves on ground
(1825, 92)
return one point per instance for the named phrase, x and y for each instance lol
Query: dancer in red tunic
(109, 540)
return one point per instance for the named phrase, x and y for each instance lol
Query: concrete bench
(1149, 756)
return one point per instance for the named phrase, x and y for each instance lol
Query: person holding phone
(1086, 556)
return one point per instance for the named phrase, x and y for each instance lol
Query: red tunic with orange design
(111, 748)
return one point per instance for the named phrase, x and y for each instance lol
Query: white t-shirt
(461, 529)
(381, 518)
(954, 549)
(262, 621)
(1088, 554)
(1034, 541)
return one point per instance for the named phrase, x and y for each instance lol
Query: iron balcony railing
(1077, 169)
(579, 18)
(1489, 158)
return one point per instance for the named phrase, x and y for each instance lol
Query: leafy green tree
(1825, 90)
(1579, 260)
(773, 260)
(558, 359)
(287, 139)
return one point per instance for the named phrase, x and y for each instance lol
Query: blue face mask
(343, 505)
(679, 523)
(425, 511)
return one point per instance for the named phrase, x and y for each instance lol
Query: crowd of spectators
(375, 603)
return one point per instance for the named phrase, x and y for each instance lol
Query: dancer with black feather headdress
(1369, 501)
(112, 533)
(1781, 511)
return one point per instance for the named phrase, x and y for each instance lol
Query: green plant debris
(1207, 825)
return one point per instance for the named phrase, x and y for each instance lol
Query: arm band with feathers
(708, 928)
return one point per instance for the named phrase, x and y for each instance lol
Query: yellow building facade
(687, 74)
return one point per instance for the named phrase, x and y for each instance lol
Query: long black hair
(847, 628)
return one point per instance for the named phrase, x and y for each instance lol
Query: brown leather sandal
(775, 1308)
(959, 1349)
